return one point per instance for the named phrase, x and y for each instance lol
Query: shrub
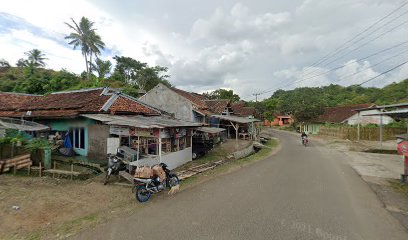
(37, 144)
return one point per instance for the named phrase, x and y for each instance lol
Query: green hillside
(305, 103)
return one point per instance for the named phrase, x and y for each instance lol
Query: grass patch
(402, 188)
(75, 224)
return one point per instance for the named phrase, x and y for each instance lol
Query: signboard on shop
(141, 132)
(117, 130)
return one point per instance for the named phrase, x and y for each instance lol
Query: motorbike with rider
(305, 139)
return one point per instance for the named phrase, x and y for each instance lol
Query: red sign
(403, 148)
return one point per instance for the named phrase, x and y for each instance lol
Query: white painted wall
(166, 99)
(176, 159)
(173, 159)
(112, 145)
(364, 120)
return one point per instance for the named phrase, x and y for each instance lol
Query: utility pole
(256, 96)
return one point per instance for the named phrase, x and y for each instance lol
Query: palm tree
(36, 58)
(95, 45)
(85, 37)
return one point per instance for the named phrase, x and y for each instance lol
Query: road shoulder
(380, 172)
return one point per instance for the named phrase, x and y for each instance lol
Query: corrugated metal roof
(237, 119)
(210, 129)
(403, 113)
(10, 123)
(141, 121)
(384, 106)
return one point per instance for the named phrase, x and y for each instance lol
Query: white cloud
(248, 47)
(306, 77)
(355, 73)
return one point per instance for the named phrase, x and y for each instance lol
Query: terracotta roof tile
(340, 113)
(239, 109)
(69, 104)
(195, 98)
(217, 106)
(11, 101)
(125, 105)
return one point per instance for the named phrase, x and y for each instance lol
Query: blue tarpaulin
(67, 141)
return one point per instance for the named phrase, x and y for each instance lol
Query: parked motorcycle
(115, 165)
(145, 187)
(305, 141)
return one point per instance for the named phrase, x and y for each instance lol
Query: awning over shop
(149, 122)
(237, 119)
(22, 125)
(236, 122)
(211, 130)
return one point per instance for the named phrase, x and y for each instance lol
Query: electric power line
(341, 77)
(358, 60)
(389, 70)
(356, 36)
(376, 64)
(365, 43)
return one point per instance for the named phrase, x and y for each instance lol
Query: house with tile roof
(239, 109)
(346, 114)
(86, 116)
(188, 106)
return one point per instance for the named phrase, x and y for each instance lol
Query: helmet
(163, 165)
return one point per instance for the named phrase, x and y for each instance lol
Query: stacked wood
(18, 162)
(198, 169)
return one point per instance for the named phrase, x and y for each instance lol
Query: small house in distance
(239, 109)
(282, 120)
(346, 114)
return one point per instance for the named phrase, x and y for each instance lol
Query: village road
(299, 193)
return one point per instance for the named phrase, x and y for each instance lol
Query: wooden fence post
(55, 166)
(72, 170)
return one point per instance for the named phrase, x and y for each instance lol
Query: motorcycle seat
(144, 180)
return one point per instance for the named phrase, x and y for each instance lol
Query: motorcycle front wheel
(142, 194)
(173, 181)
(108, 174)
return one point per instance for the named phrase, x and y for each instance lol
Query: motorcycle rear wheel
(142, 194)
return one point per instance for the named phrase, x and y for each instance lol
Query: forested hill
(43, 81)
(308, 102)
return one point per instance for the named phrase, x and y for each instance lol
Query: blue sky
(248, 46)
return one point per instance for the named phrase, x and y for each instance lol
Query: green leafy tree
(4, 64)
(149, 77)
(138, 74)
(223, 94)
(102, 68)
(21, 63)
(126, 69)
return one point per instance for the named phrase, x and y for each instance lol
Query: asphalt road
(299, 193)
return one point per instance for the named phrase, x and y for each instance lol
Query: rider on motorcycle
(304, 135)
